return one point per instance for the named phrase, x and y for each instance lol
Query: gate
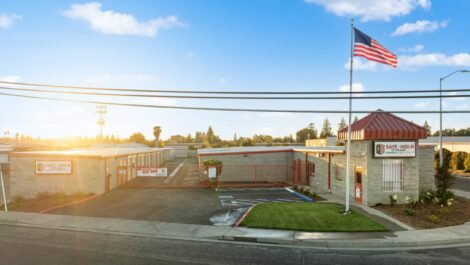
(301, 172)
(191, 175)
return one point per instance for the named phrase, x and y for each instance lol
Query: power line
(231, 97)
(227, 109)
(237, 92)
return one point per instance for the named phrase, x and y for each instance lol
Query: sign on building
(54, 167)
(395, 149)
(152, 172)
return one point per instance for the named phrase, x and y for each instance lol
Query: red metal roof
(382, 125)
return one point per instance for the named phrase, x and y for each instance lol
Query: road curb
(239, 235)
(306, 198)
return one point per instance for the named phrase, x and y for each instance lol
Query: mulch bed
(38, 204)
(457, 214)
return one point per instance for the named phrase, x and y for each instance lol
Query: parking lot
(190, 206)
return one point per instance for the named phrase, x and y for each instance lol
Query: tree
(326, 129)
(157, 130)
(210, 138)
(235, 139)
(342, 124)
(245, 141)
(427, 127)
(355, 119)
(137, 138)
(306, 133)
(189, 138)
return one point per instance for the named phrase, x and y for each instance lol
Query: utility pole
(101, 110)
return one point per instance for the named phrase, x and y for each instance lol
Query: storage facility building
(79, 170)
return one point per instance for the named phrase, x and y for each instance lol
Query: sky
(222, 45)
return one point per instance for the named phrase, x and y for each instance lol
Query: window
(393, 175)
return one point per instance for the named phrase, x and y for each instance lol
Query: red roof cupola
(382, 125)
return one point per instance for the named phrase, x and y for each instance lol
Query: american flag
(370, 49)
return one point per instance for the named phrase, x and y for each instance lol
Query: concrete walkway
(461, 193)
(432, 238)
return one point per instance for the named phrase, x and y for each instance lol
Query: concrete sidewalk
(432, 238)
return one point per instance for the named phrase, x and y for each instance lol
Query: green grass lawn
(308, 216)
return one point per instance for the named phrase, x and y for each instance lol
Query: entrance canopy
(382, 125)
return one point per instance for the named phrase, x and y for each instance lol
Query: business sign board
(54, 167)
(212, 173)
(152, 172)
(394, 149)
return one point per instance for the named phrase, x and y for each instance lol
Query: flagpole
(348, 147)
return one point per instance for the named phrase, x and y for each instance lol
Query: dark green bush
(458, 160)
(410, 212)
(447, 155)
(467, 164)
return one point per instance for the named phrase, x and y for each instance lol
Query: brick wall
(426, 168)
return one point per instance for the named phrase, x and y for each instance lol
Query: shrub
(447, 155)
(214, 162)
(427, 197)
(467, 164)
(411, 202)
(444, 210)
(43, 195)
(393, 199)
(458, 160)
(18, 199)
(444, 180)
(410, 212)
(432, 218)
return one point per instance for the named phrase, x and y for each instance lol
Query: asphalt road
(22, 245)
(462, 184)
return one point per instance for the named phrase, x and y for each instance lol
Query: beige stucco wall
(87, 176)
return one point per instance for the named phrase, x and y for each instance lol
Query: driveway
(189, 206)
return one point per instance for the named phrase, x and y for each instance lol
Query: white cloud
(421, 105)
(7, 20)
(110, 22)
(117, 79)
(356, 87)
(190, 55)
(434, 59)
(419, 27)
(222, 81)
(372, 9)
(10, 78)
(414, 49)
(360, 64)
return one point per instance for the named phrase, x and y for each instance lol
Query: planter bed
(457, 214)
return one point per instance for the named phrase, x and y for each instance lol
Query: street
(461, 183)
(23, 245)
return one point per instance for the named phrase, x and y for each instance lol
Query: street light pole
(441, 159)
